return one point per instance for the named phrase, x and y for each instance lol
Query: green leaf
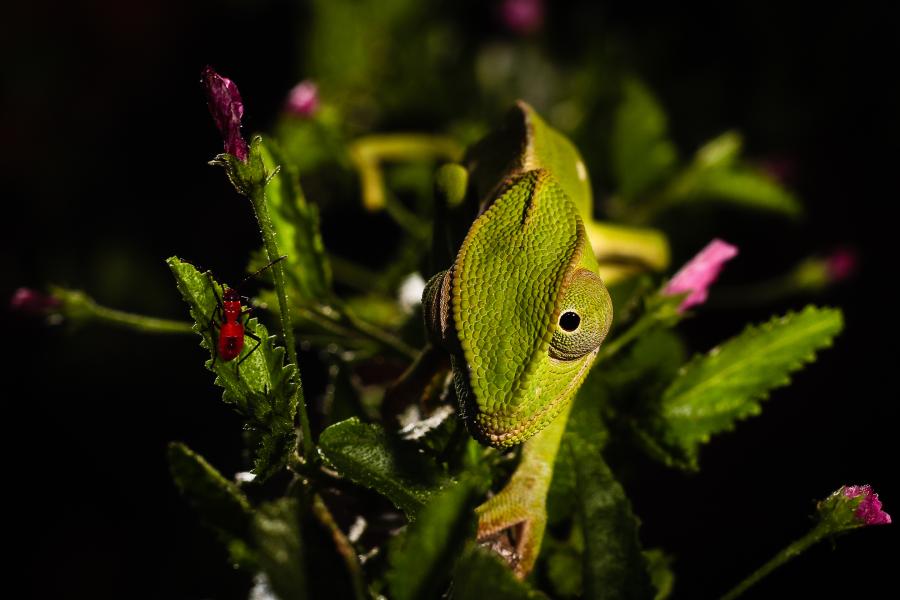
(642, 154)
(613, 563)
(368, 456)
(276, 530)
(660, 566)
(420, 560)
(740, 186)
(261, 390)
(296, 224)
(481, 574)
(218, 501)
(716, 389)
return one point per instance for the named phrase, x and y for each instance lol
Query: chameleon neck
(523, 499)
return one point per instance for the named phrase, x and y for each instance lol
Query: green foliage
(727, 384)
(261, 389)
(296, 224)
(642, 154)
(613, 563)
(218, 501)
(368, 456)
(276, 530)
(645, 166)
(419, 558)
(481, 574)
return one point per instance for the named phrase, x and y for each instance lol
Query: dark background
(104, 136)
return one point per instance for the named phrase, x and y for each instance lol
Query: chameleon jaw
(479, 423)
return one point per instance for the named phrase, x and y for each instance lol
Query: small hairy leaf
(261, 389)
(296, 223)
(420, 559)
(642, 154)
(276, 530)
(613, 563)
(219, 502)
(481, 574)
(716, 389)
(368, 456)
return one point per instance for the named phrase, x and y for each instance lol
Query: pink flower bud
(303, 99)
(522, 16)
(841, 264)
(226, 108)
(32, 302)
(699, 273)
(868, 512)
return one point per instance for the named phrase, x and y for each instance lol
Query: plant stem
(797, 548)
(343, 545)
(261, 208)
(643, 324)
(76, 305)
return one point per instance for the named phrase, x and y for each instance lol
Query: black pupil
(569, 321)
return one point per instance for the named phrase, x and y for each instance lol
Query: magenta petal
(842, 264)
(226, 108)
(869, 510)
(699, 273)
(522, 16)
(303, 99)
(32, 302)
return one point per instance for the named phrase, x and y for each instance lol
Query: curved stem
(369, 151)
(77, 305)
(795, 549)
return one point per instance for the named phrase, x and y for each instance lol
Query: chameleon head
(526, 308)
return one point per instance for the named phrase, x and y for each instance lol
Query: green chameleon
(523, 310)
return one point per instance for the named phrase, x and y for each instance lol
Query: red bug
(230, 320)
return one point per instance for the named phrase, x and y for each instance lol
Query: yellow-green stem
(78, 306)
(795, 549)
(261, 208)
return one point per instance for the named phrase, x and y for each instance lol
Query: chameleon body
(522, 312)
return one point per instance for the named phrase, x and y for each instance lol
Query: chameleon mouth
(480, 425)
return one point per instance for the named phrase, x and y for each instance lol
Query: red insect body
(231, 333)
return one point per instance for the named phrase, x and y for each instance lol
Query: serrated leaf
(368, 456)
(218, 501)
(715, 390)
(420, 559)
(481, 574)
(276, 530)
(296, 224)
(262, 389)
(739, 186)
(642, 154)
(613, 563)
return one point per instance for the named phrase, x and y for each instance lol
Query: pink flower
(32, 302)
(522, 16)
(699, 273)
(841, 264)
(226, 108)
(868, 512)
(303, 99)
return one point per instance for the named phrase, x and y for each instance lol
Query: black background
(104, 136)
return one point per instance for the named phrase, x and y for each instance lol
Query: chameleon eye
(584, 318)
(569, 321)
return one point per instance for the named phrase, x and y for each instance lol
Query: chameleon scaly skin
(522, 312)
